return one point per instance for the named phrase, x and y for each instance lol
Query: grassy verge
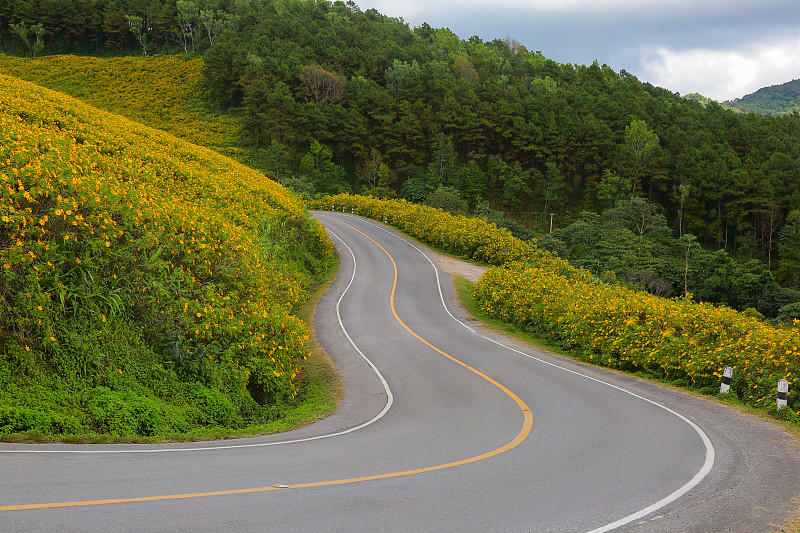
(321, 390)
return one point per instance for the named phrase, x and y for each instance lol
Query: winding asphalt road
(445, 427)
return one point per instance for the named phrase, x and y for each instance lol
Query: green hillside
(149, 286)
(162, 92)
(331, 97)
(772, 101)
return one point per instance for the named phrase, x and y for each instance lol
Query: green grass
(321, 386)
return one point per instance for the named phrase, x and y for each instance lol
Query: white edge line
(708, 464)
(389, 399)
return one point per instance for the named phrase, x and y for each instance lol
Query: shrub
(14, 420)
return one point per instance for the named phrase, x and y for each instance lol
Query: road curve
(445, 427)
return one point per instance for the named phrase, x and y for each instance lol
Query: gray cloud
(624, 36)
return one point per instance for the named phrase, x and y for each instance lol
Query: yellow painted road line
(527, 426)
(134, 500)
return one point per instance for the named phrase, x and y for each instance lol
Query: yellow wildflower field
(162, 92)
(130, 257)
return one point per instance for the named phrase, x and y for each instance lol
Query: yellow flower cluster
(636, 331)
(87, 195)
(473, 238)
(161, 91)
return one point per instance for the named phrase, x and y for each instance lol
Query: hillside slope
(161, 92)
(774, 100)
(147, 285)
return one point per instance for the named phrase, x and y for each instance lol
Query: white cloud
(723, 49)
(723, 74)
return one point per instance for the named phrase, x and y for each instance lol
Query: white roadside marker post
(727, 376)
(783, 393)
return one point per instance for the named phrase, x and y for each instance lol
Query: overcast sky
(723, 49)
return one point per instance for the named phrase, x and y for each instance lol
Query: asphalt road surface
(445, 427)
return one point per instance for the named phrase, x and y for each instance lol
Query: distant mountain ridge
(774, 100)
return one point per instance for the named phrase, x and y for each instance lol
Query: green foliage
(26, 33)
(415, 190)
(138, 27)
(148, 285)
(511, 179)
(519, 232)
(639, 216)
(641, 143)
(789, 415)
(773, 100)
(613, 188)
(789, 250)
(190, 363)
(318, 168)
(449, 199)
(215, 408)
(551, 189)
(632, 242)
(442, 169)
(127, 413)
(21, 420)
(789, 313)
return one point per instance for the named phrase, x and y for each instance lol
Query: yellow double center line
(527, 425)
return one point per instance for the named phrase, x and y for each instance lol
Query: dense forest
(332, 98)
(773, 100)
